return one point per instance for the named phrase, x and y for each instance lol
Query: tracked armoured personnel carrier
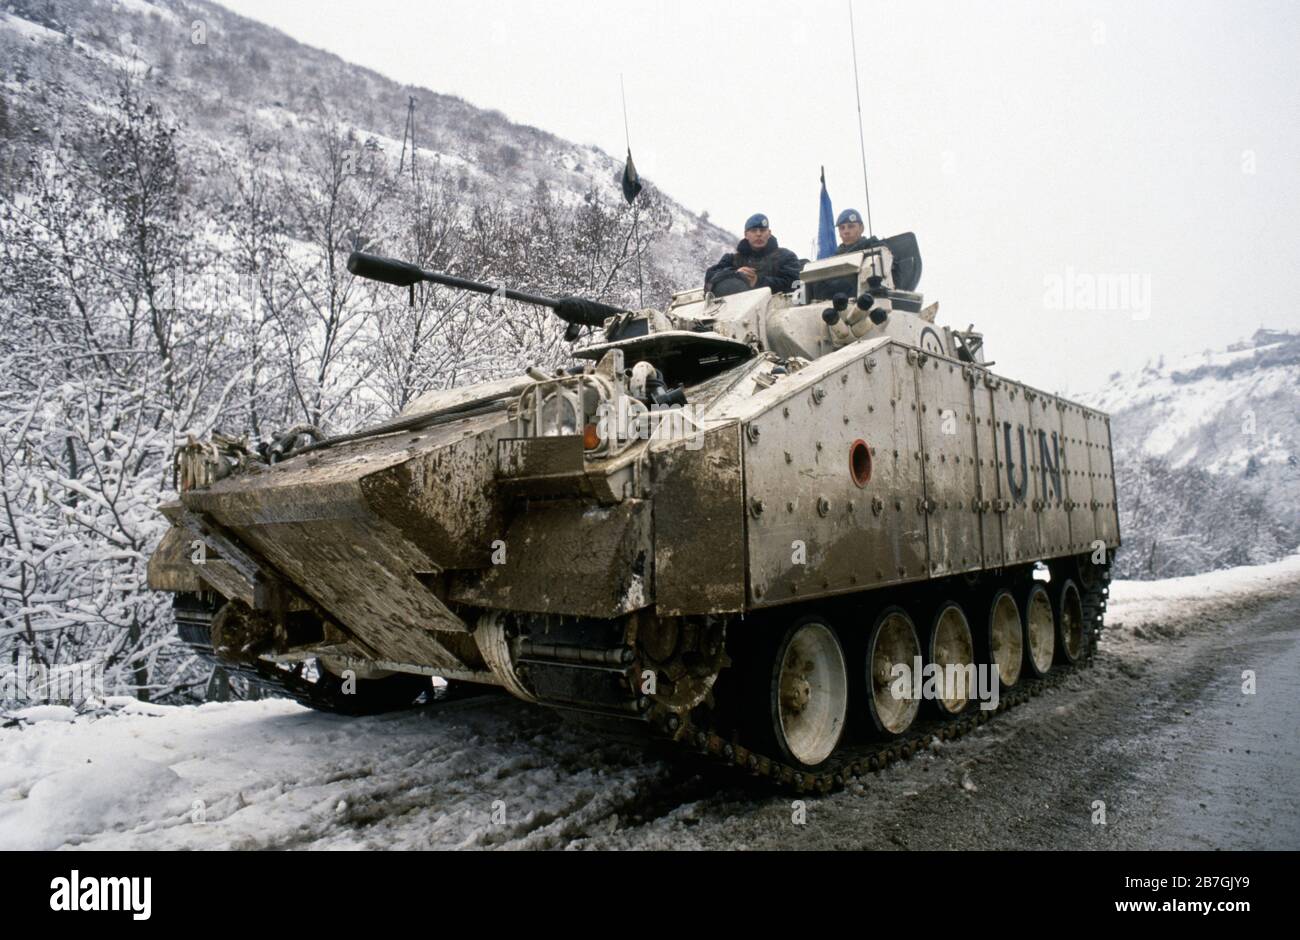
(748, 524)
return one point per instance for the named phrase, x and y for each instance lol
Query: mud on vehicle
(739, 522)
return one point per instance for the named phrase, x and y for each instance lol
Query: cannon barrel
(404, 274)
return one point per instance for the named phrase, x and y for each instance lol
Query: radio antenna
(862, 144)
(627, 136)
(631, 187)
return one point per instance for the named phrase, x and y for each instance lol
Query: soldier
(849, 224)
(758, 261)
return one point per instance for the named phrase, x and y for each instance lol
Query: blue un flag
(825, 224)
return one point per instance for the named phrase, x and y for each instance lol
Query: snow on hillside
(487, 772)
(243, 71)
(1218, 409)
(1207, 457)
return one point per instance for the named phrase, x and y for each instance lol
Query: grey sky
(1149, 149)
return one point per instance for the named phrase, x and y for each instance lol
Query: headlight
(592, 406)
(564, 407)
(559, 413)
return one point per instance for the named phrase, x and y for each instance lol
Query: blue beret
(757, 220)
(848, 215)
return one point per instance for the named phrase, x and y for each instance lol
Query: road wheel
(803, 694)
(1004, 641)
(1070, 639)
(952, 651)
(1040, 630)
(892, 642)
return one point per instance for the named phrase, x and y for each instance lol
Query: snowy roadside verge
(1161, 610)
(486, 772)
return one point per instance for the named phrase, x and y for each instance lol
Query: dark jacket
(866, 241)
(777, 267)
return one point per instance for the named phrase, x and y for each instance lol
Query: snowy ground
(1143, 609)
(493, 772)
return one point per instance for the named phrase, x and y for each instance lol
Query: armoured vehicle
(748, 524)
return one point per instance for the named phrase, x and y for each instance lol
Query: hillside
(1235, 412)
(1208, 456)
(218, 73)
